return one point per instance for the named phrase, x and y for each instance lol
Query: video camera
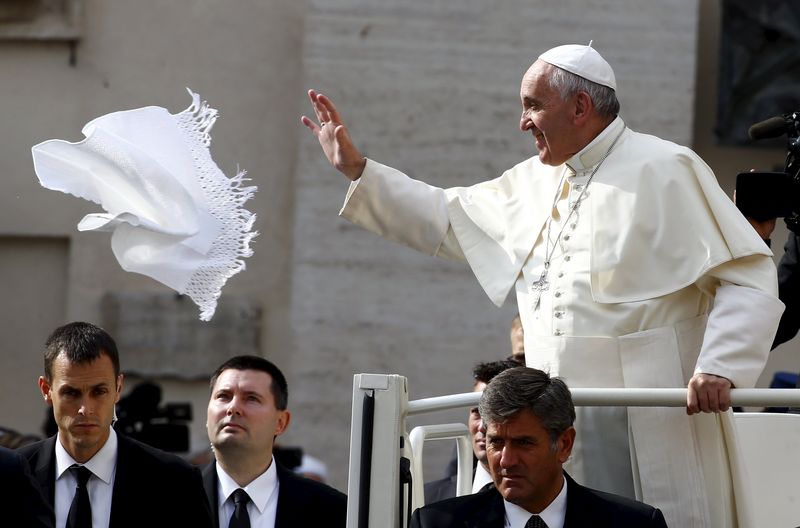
(166, 427)
(766, 195)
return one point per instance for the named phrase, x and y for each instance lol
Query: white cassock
(652, 246)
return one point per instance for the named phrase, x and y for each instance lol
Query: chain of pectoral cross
(542, 284)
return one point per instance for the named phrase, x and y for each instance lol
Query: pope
(631, 267)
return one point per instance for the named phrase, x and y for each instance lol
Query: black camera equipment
(765, 195)
(165, 427)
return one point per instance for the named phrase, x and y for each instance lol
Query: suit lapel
(579, 512)
(285, 516)
(124, 490)
(45, 470)
(210, 480)
(491, 516)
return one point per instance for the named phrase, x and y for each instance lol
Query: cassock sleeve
(743, 320)
(407, 211)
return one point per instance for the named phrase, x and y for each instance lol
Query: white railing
(624, 397)
(381, 456)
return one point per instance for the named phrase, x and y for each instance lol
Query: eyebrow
(245, 392)
(67, 386)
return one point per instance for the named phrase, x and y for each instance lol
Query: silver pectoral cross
(540, 286)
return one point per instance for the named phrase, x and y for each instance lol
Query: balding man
(617, 244)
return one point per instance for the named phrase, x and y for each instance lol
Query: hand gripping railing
(381, 468)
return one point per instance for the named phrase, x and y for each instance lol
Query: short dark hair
(528, 389)
(80, 343)
(279, 387)
(484, 372)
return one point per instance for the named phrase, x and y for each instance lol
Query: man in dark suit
(246, 486)
(445, 488)
(529, 434)
(22, 501)
(90, 475)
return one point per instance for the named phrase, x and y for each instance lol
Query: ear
(564, 444)
(283, 422)
(583, 108)
(120, 382)
(45, 389)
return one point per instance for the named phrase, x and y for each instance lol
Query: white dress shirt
(482, 478)
(103, 466)
(263, 492)
(553, 515)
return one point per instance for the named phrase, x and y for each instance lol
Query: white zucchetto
(583, 61)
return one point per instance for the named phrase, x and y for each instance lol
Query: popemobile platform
(385, 481)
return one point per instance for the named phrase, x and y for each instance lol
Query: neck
(594, 129)
(539, 504)
(243, 469)
(82, 454)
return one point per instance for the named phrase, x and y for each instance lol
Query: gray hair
(568, 84)
(527, 389)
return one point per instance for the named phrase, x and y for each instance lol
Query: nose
(233, 407)
(507, 458)
(84, 409)
(525, 122)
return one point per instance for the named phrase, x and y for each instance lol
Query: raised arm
(333, 137)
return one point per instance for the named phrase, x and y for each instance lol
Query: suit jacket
(439, 490)
(151, 488)
(585, 508)
(301, 501)
(445, 488)
(22, 501)
(789, 290)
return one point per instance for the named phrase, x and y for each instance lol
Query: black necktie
(535, 522)
(240, 518)
(80, 511)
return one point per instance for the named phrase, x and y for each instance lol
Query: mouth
(230, 426)
(84, 426)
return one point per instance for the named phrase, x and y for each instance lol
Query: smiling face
(551, 120)
(242, 415)
(83, 396)
(525, 468)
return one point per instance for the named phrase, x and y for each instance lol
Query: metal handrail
(623, 397)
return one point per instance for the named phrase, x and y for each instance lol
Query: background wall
(428, 86)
